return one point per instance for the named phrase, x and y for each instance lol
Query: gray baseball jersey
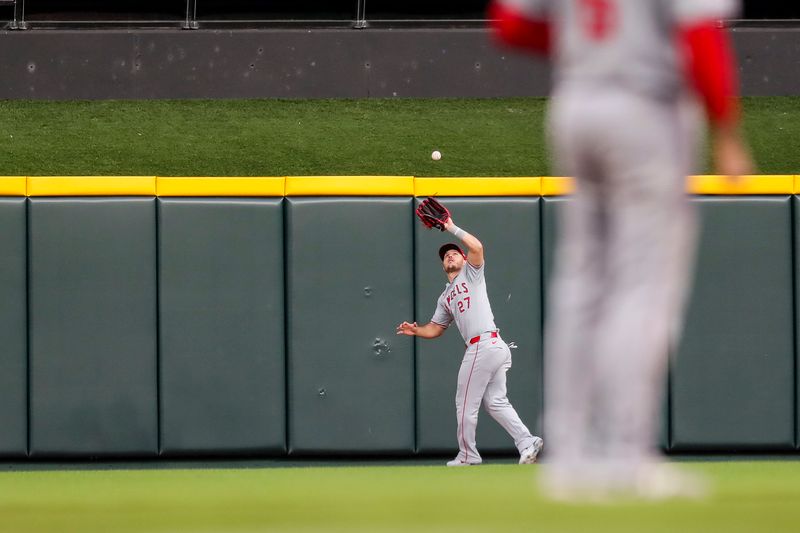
(465, 302)
(629, 44)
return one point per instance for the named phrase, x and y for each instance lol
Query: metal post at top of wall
(191, 15)
(361, 19)
(19, 16)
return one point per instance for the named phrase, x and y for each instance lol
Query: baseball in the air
(436, 155)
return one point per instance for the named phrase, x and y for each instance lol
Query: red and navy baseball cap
(450, 246)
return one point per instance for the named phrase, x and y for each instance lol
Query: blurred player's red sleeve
(516, 29)
(710, 66)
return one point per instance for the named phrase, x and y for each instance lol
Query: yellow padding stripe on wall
(743, 185)
(554, 186)
(355, 186)
(13, 185)
(220, 186)
(710, 185)
(477, 186)
(92, 186)
(349, 186)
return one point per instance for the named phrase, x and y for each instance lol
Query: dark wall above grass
(315, 63)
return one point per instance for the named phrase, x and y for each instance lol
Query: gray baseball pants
(482, 378)
(623, 263)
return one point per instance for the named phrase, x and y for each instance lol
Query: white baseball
(436, 155)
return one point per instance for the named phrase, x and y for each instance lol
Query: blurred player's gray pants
(482, 378)
(626, 248)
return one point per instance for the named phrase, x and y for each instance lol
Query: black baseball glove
(433, 214)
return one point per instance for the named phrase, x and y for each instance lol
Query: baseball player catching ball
(482, 377)
(623, 122)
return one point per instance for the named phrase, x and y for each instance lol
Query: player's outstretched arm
(711, 68)
(473, 245)
(431, 330)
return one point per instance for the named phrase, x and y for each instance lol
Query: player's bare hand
(407, 328)
(731, 154)
(449, 224)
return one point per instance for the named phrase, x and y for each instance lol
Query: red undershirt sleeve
(710, 68)
(513, 28)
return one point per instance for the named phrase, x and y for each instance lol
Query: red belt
(492, 335)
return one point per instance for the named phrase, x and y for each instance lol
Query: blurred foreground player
(623, 122)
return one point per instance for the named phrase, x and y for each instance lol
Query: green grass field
(749, 497)
(499, 137)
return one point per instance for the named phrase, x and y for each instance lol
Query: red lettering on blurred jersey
(598, 18)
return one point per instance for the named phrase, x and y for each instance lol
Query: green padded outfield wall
(733, 380)
(509, 231)
(265, 326)
(92, 278)
(349, 283)
(13, 329)
(795, 256)
(221, 316)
